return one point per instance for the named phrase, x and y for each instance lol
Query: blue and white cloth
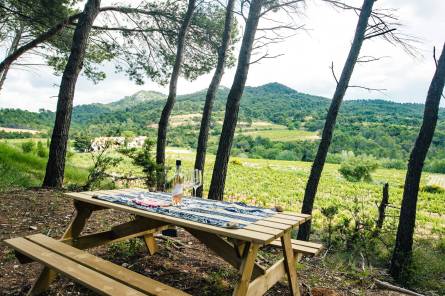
(216, 213)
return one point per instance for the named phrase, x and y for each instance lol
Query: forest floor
(188, 266)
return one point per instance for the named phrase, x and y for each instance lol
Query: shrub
(97, 173)
(329, 212)
(287, 155)
(358, 168)
(395, 164)
(236, 162)
(82, 143)
(437, 166)
(28, 146)
(154, 173)
(41, 150)
(433, 189)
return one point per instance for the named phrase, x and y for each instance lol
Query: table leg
(42, 283)
(78, 222)
(150, 242)
(47, 275)
(225, 250)
(245, 271)
(290, 263)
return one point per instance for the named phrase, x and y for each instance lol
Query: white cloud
(305, 65)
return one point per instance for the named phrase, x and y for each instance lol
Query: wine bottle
(177, 184)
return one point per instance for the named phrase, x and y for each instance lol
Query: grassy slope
(18, 169)
(270, 182)
(283, 135)
(260, 181)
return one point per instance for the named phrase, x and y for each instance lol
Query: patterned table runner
(216, 213)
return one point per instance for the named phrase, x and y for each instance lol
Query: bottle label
(177, 190)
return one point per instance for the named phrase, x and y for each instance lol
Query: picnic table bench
(239, 247)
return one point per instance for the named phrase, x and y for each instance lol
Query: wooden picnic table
(238, 247)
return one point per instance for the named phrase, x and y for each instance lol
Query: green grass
(256, 181)
(283, 135)
(269, 182)
(266, 182)
(23, 170)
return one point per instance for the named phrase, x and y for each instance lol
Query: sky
(303, 66)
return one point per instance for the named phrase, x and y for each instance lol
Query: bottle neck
(178, 169)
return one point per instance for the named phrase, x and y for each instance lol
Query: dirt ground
(186, 265)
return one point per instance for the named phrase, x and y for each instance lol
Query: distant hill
(273, 111)
(136, 99)
(272, 102)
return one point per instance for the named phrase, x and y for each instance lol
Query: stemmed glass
(197, 180)
(188, 180)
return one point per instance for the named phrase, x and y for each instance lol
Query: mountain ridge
(274, 102)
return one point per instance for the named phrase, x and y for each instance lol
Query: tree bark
(402, 253)
(165, 115)
(14, 45)
(211, 92)
(382, 209)
(331, 118)
(56, 161)
(233, 102)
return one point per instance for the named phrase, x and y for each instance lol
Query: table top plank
(242, 234)
(282, 221)
(294, 217)
(216, 216)
(264, 229)
(294, 214)
(272, 224)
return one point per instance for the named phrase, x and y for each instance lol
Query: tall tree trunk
(331, 118)
(14, 45)
(56, 161)
(211, 92)
(43, 37)
(233, 102)
(165, 115)
(401, 257)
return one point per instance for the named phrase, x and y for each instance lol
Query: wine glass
(188, 180)
(197, 180)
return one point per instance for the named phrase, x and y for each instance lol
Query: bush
(395, 164)
(14, 135)
(154, 173)
(437, 166)
(433, 189)
(287, 155)
(236, 162)
(41, 150)
(101, 163)
(82, 143)
(28, 146)
(358, 168)
(334, 158)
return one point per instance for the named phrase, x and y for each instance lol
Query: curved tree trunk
(56, 161)
(331, 118)
(233, 102)
(211, 92)
(45, 36)
(401, 257)
(165, 115)
(13, 48)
